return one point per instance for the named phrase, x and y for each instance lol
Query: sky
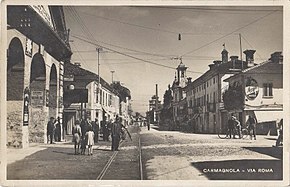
(141, 46)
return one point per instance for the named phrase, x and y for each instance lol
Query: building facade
(86, 99)
(263, 93)
(205, 110)
(37, 49)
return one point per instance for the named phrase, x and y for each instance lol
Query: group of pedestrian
(84, 134)
(53, 130)
(235, 127)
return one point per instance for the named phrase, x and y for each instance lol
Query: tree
(167, 97)
(233, 97)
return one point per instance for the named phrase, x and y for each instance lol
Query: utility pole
(99, 78)
(112, 76)
(241, 54)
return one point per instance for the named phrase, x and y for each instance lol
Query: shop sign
(251, 88)
(37, 98)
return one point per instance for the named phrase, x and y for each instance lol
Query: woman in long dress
(90, 140)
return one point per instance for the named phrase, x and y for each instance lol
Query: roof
(218, 69)
(267, 67)
(84, 75)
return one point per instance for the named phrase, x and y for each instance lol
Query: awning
(267, 116)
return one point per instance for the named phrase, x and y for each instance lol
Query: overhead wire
(240, 28)
(98, 45)
(147, 61)
(243, 37)
(150, 28)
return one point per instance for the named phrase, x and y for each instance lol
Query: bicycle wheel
(245, 133)
(222, 134)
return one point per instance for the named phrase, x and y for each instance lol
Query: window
(213, 97)
(207, 84)
(101, 96)
(214, 80)
(268, 89)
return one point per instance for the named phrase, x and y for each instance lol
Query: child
(83, 145)
(90, 140)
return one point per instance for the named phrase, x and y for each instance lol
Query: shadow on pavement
(271, 138)
(241, 169)
(67, 153)
(276, 152)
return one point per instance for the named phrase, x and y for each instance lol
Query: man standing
(252, 126)
(57, 134)
(105, 129)
(116, 131)
(96, 130)
(50, 130)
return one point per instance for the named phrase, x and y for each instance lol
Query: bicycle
(225, 133)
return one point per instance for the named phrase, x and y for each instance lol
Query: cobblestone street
(166, 155)
(173, 155)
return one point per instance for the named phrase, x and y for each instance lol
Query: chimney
(249, 57)
(217, 62)
(189, 80)
(277, 57)
(225, 56)
(78, 64)
(234, 58)
(211, 66)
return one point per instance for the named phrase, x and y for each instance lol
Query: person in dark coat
(50, 130)
(116, 134)
(231, 127)
(83, 127)
(57, 133)
(96, 129)
(105, 129)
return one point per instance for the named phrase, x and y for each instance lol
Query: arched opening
(15, 89)
(38, 99)
(53, 92)
(15, 71)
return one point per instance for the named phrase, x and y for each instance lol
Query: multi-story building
(37, 49)
(85, 98)
(179, 103)
(262, 86)
(204, 95)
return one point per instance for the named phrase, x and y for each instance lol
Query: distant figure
(57, 132)
(105, 129)
(280, 137)
(77, 132)
(148, 126)
(252, 126)
(96, 129)
(50, 130)
(90, 140)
